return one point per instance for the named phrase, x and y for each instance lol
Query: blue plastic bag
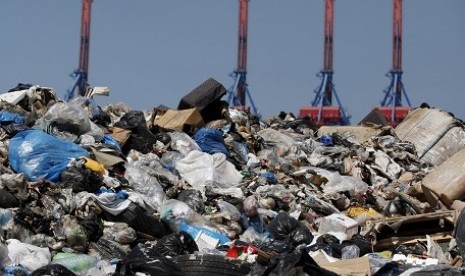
(107, 139)
(210, 140)
(6, 116)
(326, 140)
(41, 156)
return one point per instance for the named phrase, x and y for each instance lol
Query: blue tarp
(41, 156)
(210, 140)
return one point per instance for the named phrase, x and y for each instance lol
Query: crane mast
(239, 91)
(391, 105)
(80, 75)
(322, 110)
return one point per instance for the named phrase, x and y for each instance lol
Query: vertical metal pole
(397, 49)
(242, 51)
(84, 46)
(328, 51)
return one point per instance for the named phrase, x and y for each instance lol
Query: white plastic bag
(201, 169)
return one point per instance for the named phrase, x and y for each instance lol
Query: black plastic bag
(141, 139)
(139, 220)
(7, 200)
(145, 259)
(193, 198)
(290, 263)
(285, 227)
(80, 179)
(362, 243)
(13, 129)
(459, 233)
(176, 244)
(52, 270)
(132, 119)
(93, 228)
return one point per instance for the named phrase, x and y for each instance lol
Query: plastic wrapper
(39, 155)
(67, 111)
(211, 141)
(201, 169)
(284, 227)
(183, 143)
(146, 185)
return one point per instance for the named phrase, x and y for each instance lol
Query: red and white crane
(322, 111)
(80, 75)
(391, 105)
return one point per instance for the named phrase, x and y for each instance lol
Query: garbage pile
(208, 189)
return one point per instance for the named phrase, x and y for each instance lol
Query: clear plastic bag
(183, 143)
(67, 111)
(146, 185)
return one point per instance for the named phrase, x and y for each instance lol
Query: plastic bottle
(75, 262)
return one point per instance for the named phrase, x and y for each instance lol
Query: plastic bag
(120, 232)
(80, 179)
(39, 155)
(52, 270)
(350, 252)
(176, 244)
(8, 117)
(67, 111)
(211, 141)
(145, 259)
(146, 185)
(194, 199)
(202, 169)
(7, 200)
(109, 140)
(28, 256)
(140, 221)
(175, 211)
(183, 143)
(285, 227)
(251, 206)
(231, 210)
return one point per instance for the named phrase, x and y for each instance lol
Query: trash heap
(208, 189)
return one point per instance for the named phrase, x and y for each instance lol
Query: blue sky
(151, 52)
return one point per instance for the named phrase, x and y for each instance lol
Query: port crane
(80, 75)
(391, 105)
(323, 111)
(239, 91)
